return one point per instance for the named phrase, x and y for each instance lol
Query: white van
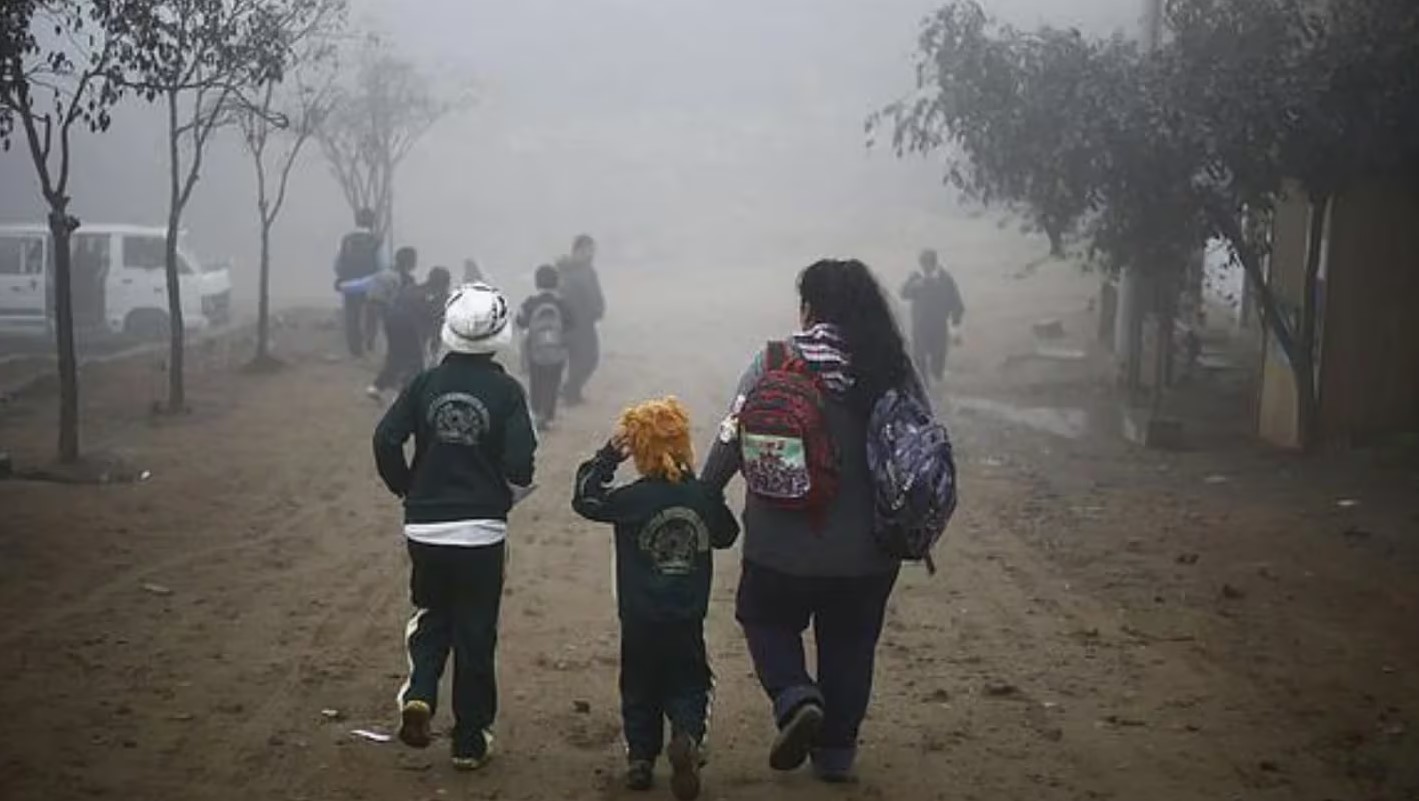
(119, 286)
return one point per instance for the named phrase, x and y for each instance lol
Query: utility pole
(1132, 288)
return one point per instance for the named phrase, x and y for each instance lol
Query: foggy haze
(1178, 454)
(686, 135)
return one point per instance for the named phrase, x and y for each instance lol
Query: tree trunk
(177, 393)
(263, 302)
(1165, 317)
(1133, 290)
(1303, 367)
(1266, 304)
(60, 229)
(389, 203)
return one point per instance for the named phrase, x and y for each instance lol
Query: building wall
(1277, 421)
(1369, 383)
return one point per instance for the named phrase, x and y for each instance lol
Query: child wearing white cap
(474, 446)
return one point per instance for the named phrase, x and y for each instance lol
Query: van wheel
(148, 325)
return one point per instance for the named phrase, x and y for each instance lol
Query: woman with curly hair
(814, 560)
(666, 525)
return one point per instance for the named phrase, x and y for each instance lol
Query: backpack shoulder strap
(775, 355)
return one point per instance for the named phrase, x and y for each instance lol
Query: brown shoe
(684, 756)
(414, 724)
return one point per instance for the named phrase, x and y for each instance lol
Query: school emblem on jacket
(673, 540)
(458, 418)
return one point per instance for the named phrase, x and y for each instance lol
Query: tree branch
(1250, 259)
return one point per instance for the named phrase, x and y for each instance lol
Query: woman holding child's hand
(798, 433)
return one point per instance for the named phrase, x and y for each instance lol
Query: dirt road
(1105, 626)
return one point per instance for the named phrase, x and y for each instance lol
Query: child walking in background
(473, 459)
(431, 299)
(546, 318)
(666, 524)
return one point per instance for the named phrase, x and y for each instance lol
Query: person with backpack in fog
(404, 310)
(581, 289)
(548, 323)
(936, 306)
(473, 460)
(361, 256)
(813, 552)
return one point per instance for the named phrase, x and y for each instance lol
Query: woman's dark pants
(775, 609)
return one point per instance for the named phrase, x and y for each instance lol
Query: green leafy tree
(1140, 158)
(1288, 97)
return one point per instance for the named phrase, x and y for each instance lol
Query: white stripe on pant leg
(709, 710)
(410, 629)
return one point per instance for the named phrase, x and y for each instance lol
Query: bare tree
(290, 116)
(203, 59)
(385, 107)
(61, 66)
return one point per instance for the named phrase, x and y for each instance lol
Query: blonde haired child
(666, 524)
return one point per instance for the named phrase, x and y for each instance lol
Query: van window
(21, 255)
(143, 252)
(150, 253)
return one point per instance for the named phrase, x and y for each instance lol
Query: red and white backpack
(788, 456)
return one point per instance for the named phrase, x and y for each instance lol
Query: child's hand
(619, 443)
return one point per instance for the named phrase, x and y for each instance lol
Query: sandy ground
(1107, 624)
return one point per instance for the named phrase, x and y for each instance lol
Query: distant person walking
(429, 299)
(936, 306)
(798, 432)
(360, 256)
(581, 289)
(404, 322)
(473, 460)
(548, 324)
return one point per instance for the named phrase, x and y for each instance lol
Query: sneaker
(795, 737)
(414, 721)
(372, 392)
(685, 762)
(469, 762)
(640, 775)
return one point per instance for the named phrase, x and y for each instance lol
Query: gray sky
(681, 132)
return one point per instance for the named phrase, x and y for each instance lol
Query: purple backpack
(914, 476)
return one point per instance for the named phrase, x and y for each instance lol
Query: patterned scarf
(824, 350)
